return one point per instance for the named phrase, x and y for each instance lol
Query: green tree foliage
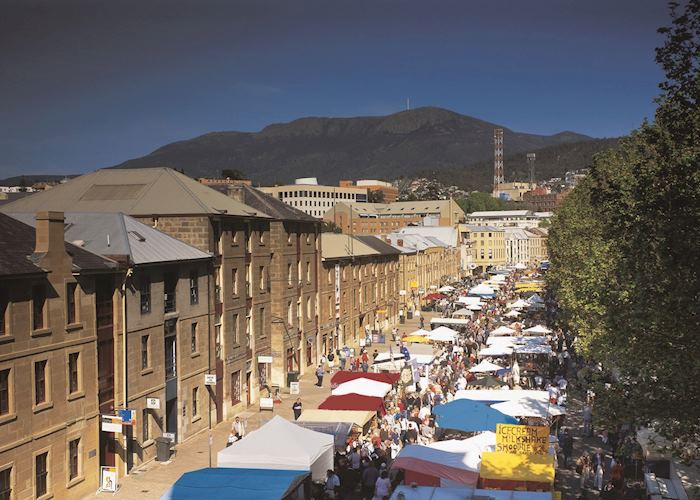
(625, 256)
(375, 196)
(232, 173)
(330, 227)
(478, 202)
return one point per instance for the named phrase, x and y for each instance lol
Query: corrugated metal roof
(338, 246)
(503, 213)
(139, 191)
(121, 235)
(447, 235)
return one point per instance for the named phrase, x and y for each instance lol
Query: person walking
(382, 488)
(332, 484)
(365, 361)
(296, 408)
(319, 375)
(369, 480)
(238, 427)
(342, 355)
(567, 446)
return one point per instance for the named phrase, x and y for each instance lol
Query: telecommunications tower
(498, 177)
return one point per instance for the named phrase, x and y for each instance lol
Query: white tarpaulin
(281, 445)
(475, 307)
(482, 290)
(485, 367)
(533, 348)
(469, 300)
(498, 395)
(362, 386)
(496, 350)
(518, 304)
(446, 289)
(420, 332)
(512, 314)
(529, 407)
(443, 334)
(516, 341)
(502, 330)
(463, 312)
(538, 330)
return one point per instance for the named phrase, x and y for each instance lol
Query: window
(195, 401)
(330, 306)
(169, 298)
(308, 308)
(193, 337)
(194, 288)
(41, 473)
(170, 353)
(262, 322)
(235, 388)
(71, 309)
(40, 382)
(144, 352)
(262, 277)
(330, 277)
(6, 483)
(234, 237)
(5, 392)
(73, 372)
(234, 328)
(308, 271)
(290, 313)
(145, 425)
(38, 303)
(234, 281)
(74, 459)
(308, 238)
(290, 275)
(145, 295)
(4, 313)
(261, 237)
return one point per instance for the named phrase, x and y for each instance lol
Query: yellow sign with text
(522, 439)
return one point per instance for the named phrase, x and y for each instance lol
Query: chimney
(50, 232)
(236, 192)
(399, 243)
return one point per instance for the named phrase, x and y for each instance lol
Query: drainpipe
(127, 435)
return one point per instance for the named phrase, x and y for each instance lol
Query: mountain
(32, 178)
(401, 144)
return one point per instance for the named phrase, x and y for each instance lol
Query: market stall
(529, 407)
(469, 416)
(403, 492)
(353, 402)
(509, 471)
(345, 376)
(443, 334)
(362, 386)
(248, 484)
(358, 418)
(501, 331)
(485, 367)
(279, 444)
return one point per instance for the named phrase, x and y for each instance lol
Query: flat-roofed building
(383, 218)
(315, 199)
(389, 192)
(504, 218)
(488, 246)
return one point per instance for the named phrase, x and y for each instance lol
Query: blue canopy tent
(470, 416)
(242, 484)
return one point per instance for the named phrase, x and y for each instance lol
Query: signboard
(337, 286)
(402, 293)
(209, 379)
(153, 403)
(294, 388)
(522, 439)
(413, 284)
(128, 416)
(170, 436)
(264, 359)
(111, 423)
(108, 479)
(267, 404)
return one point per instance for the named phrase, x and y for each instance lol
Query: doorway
(248, 388)
(171, 417)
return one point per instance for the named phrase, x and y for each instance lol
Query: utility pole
(498, 177)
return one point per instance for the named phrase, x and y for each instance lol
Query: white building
(314, 199)
(523, 219)
(517, 246)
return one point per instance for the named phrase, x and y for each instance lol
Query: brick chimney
(399, 242)
(50, 233)
(236, 192)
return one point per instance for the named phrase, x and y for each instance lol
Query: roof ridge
(171, 172)
(122, 221)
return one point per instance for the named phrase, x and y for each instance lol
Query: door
(171, 417)
(107, 449)
(219, 391)
(248, 388)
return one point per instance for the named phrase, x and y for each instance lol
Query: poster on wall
(522, 439)
(108, 479)
(337, 287)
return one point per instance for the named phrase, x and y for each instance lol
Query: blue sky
(88, 84)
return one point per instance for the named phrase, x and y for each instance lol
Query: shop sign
(522, 439)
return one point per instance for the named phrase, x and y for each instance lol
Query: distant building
(218, 183)
(388, 190)
(506, 218)
(512, 191)
(517, 246)
(543, 201)
(488, 246)
(572, 178)
(314, 199)
(537, 237)
(383, 218)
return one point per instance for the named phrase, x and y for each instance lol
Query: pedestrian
(232, 438)
(296, 408)
(319, 375)
(369, 480)
(587, 420)
(342, 355)
(599, 473)
(332, 484)
(566, 443)
(382, 488)
(238, 427)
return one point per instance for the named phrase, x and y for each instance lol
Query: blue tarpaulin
(470, 416)
(241, 484)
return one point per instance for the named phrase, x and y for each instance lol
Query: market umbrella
(417, 339)
(435, 296)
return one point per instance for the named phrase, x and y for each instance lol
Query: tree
(624, 255)
(233, 174)
(330, 227)
(477, 202)
(375, 196)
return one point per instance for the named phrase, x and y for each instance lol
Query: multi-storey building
(517, 246)
(537, 238)
(383, 218)
(296, 258)
(505, 218)
(542, 200)
(512, 191)
(313, 199)
(389, 192)
(58, 326)
(488, 246)
(237, 236)
(358, 289)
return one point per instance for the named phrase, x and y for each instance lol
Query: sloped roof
(400, 207)
(273, 207)
(138, 191)
(338, 246)
(503, 213)
(109, 234)
(17, 257)
(446, 235)
(379, 245)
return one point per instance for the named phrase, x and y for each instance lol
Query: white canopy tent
(485, 367)
(495, 351)
(512, 314)
(516, 341)
(420, 333)
(538, 330)
(518, 304)
(498, 395)
(281, 445)
(520, 266)
(364, 387)
(529, 407)
(443, 334)
(482, 291)
(449, 321)
(463, 312)
(502, 330)
(469, 300)
(533, 348)
(475, 307)
(446, 289)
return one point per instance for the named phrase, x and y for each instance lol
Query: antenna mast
(498, 177)
(531, 165)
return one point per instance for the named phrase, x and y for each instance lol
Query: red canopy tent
(346, 376)
(435, 296)
(353, 402)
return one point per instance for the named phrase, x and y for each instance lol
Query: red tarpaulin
(346, 376)
(353, 402)
(435, 296)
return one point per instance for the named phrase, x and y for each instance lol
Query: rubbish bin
(292, 377)
(409, 314)
(162, 449)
